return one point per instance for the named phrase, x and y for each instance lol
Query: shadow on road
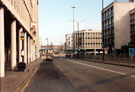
(50, 79)
(105, 81)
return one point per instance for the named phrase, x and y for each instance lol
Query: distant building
(116, 25)
(88, 41)
(68, 42)
(54, 47)
(131, 0)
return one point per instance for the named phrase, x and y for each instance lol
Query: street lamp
(73, 7)
(103, 32)
(47, 44)
(102, 4)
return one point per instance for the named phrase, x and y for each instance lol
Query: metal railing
(123, 59)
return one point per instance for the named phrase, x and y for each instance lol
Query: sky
(55, 16)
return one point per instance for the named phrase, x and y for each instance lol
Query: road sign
(22, 35)
(131, 51)
(79, 41)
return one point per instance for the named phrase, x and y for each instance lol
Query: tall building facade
(19, 34)
(132, 27)
(88, 40)
(115, 25)
(69, 42)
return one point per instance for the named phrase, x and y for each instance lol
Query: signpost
(132, 52)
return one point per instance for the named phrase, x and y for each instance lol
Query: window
(132, 17)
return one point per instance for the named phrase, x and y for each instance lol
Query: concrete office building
(19, 34)
(88, 41)
(132, 27)
(115, 25)
(69, 42)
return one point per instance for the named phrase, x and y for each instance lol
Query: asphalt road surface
(72, 75)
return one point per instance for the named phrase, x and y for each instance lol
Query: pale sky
(54, 16)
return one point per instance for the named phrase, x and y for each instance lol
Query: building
(19, 34)
(68, 43)
(116, 25)
(55, 48)
(131, 0)
(88, 41)
(132, 27)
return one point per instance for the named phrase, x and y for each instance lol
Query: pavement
(15, 81)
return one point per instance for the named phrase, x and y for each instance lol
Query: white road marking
(100, 68)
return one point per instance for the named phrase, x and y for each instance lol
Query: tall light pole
(47, 44)
(102, 31)
(102, 4)
(73, 7)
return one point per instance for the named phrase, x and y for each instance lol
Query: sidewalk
(14, 81)
(114, 62)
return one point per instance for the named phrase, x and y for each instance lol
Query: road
(72, 75)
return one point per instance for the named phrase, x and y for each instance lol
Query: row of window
(133, 39)
(69, 37)
(109, 31)
(91, 46)
(91, 38)
(108, 22)
(132, 36)
(108, 41)
(90, 43)
(107, 12)
(88, 33)
(132, 17)
(132, 28)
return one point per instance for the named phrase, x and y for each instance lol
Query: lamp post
(73, 7)
(103, 32)
(102, 4)
(47, 44)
